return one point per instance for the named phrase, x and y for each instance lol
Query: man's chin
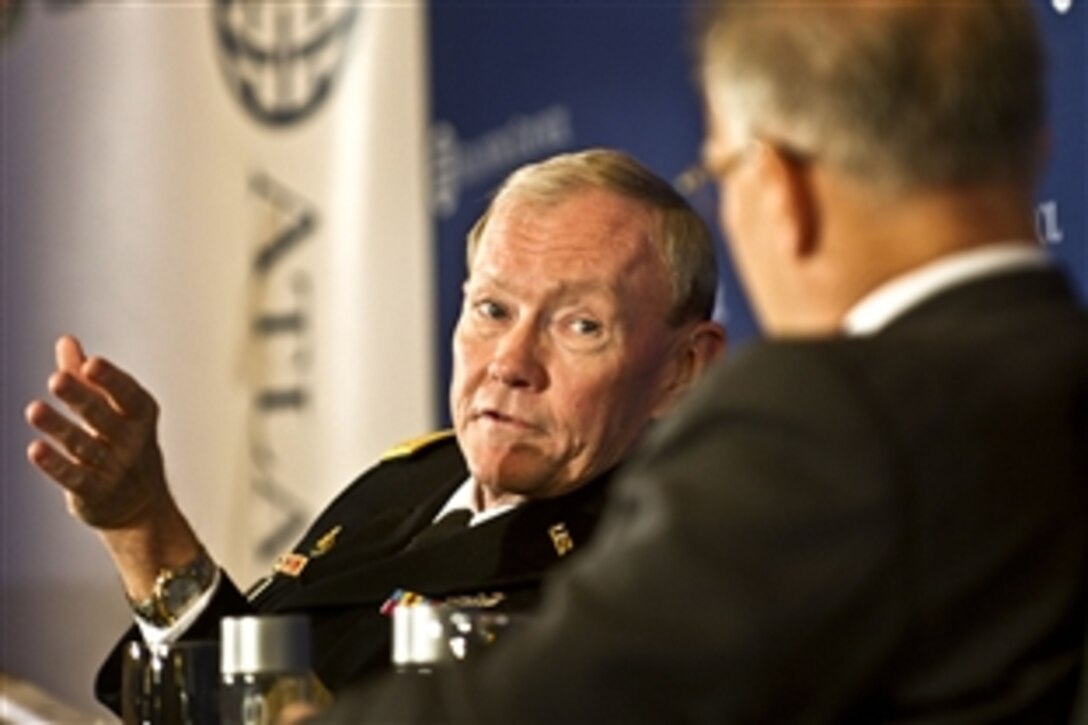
(519, 473)
(518, 482)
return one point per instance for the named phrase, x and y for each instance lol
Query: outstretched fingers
(125, 395)
(68, 353)
(111, 404)
(77, 443)
(103, 449)
(75, 477)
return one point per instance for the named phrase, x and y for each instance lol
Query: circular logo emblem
(281, 60)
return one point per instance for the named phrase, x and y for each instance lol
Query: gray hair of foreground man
(872, 88)
(683, 238)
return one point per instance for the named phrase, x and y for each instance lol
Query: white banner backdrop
(227, 199)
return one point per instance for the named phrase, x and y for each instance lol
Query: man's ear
(700, 348)
(787, 202)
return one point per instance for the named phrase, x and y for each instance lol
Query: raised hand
(109, 463)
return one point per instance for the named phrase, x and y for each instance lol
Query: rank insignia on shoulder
(414, 445)
(561, 539)
(291, 564)
(326, 542)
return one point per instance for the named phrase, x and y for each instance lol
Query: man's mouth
(493, 415)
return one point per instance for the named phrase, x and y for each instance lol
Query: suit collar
(898, 296)
(990, 299)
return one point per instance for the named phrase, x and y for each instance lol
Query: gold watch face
(178, 593)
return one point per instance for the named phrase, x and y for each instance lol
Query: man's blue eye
(491, 310)
(586, 326)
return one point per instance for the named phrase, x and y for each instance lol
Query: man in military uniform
(586, 316)
(878, 513)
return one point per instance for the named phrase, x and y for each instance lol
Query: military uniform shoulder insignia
(561, 539)
(326, 542)
(414, 445)
(291, 564)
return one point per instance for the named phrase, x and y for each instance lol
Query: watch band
(175, 590)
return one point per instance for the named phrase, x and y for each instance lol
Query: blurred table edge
(26, 703)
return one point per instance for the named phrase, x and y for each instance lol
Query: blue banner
(513, 83)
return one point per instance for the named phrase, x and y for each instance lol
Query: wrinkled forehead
(593, 235)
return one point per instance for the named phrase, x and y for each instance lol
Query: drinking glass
(170, 684)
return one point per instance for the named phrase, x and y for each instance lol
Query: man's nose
(517, 359)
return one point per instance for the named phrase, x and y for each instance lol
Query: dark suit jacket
(882, 529)
(380, 512)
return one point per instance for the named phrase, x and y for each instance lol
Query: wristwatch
(175, 590)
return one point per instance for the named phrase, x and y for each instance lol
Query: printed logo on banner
(457, 163)
(281, 60)
(280, 347)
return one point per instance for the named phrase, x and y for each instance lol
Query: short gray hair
(918, 93)
(683, 238)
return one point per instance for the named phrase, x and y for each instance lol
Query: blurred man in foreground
(879, 514)
(586, 316)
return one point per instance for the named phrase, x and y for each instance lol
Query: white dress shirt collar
(465, 498)
(891, 299)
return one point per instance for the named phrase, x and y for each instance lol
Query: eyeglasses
(703, 174)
